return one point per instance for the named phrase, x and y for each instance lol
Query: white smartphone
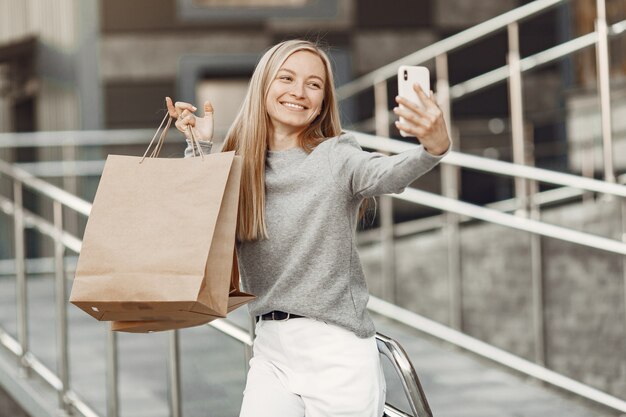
(407, 76)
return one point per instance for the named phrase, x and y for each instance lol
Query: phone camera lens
(406, 75)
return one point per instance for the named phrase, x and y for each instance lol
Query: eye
(285, 77)
(316, 85)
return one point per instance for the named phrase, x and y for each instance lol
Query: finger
(185, 113)
(180, 125)
(181, 106)
(170, 108)
(190, 120)
(416, 107)
(419, 90)
(429, 102)
(208, 107)
(431, 112)
(412, 118)
(410, 129)
(411, 110)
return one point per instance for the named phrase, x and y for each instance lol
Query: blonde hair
(249, 134)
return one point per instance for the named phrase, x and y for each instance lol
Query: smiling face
(296, 93)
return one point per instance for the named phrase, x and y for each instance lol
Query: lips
(293, 106)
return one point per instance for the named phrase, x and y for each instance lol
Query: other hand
(424, 122)
(186, 120)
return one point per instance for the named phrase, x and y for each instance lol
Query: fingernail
(194, 108)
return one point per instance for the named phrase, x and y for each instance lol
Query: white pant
(305, 367)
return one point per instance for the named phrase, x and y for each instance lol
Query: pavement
(456, 383)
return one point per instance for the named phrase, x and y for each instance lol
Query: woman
(303, 182)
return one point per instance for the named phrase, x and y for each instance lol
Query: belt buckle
(274, 317)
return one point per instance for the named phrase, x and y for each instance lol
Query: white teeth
(293, 106)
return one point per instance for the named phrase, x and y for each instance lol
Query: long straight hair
(249, 134)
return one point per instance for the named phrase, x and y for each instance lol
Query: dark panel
(539, 33)
(8, 407)
(156, 15)
(135, 104)
(137, 14)
(394, 14)
(477, 58)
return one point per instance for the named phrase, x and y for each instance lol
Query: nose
(297, 89)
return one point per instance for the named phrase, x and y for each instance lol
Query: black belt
(278, 315)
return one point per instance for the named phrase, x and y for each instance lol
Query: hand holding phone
(407, 77)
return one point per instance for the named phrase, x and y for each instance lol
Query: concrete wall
(585, 313)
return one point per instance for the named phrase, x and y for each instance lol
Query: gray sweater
(309, 265)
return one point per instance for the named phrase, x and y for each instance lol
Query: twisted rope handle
(157, 149)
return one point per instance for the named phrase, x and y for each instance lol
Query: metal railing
(69, 400)
(525, 187)
(526, 202)
(445, 204)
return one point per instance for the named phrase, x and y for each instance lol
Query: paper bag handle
(159, 145)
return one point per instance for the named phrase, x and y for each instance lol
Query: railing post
(381, 114)
(20, 276)
(450, 188)
(603, 77)
(517, 114)
(113, 409)
(61, 291)
(622, 202)
(588, 167)
(536, 263)
(174, 375)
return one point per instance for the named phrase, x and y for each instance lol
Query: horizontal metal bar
(76, 138)
(86, 138)
(43, 265)
(45, 374)
(44, 169)
(230, 329)
(426, 224)
(487, 351)
(515, 222)
(447, 45)
(501, 74)
(42, 225)
(498, 167)
(55, 193)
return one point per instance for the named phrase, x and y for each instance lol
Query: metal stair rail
(511, 72)
(526, 199)
(535, 227)
(68, 399)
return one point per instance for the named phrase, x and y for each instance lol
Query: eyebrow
(310, 76)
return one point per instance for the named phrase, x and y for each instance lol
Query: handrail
(410, 381)
(367, 141)
(413, 195)
(463, 38)
(493, 353)
(547, 56)
(514, 222)
(54, 193)
(387, 347)
(45, 373)
(497, 75)
(498, 167)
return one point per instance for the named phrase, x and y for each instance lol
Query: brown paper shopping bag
(236, 298)
(160, 238)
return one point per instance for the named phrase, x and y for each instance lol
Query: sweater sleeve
(206, 148)
(368, 174)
